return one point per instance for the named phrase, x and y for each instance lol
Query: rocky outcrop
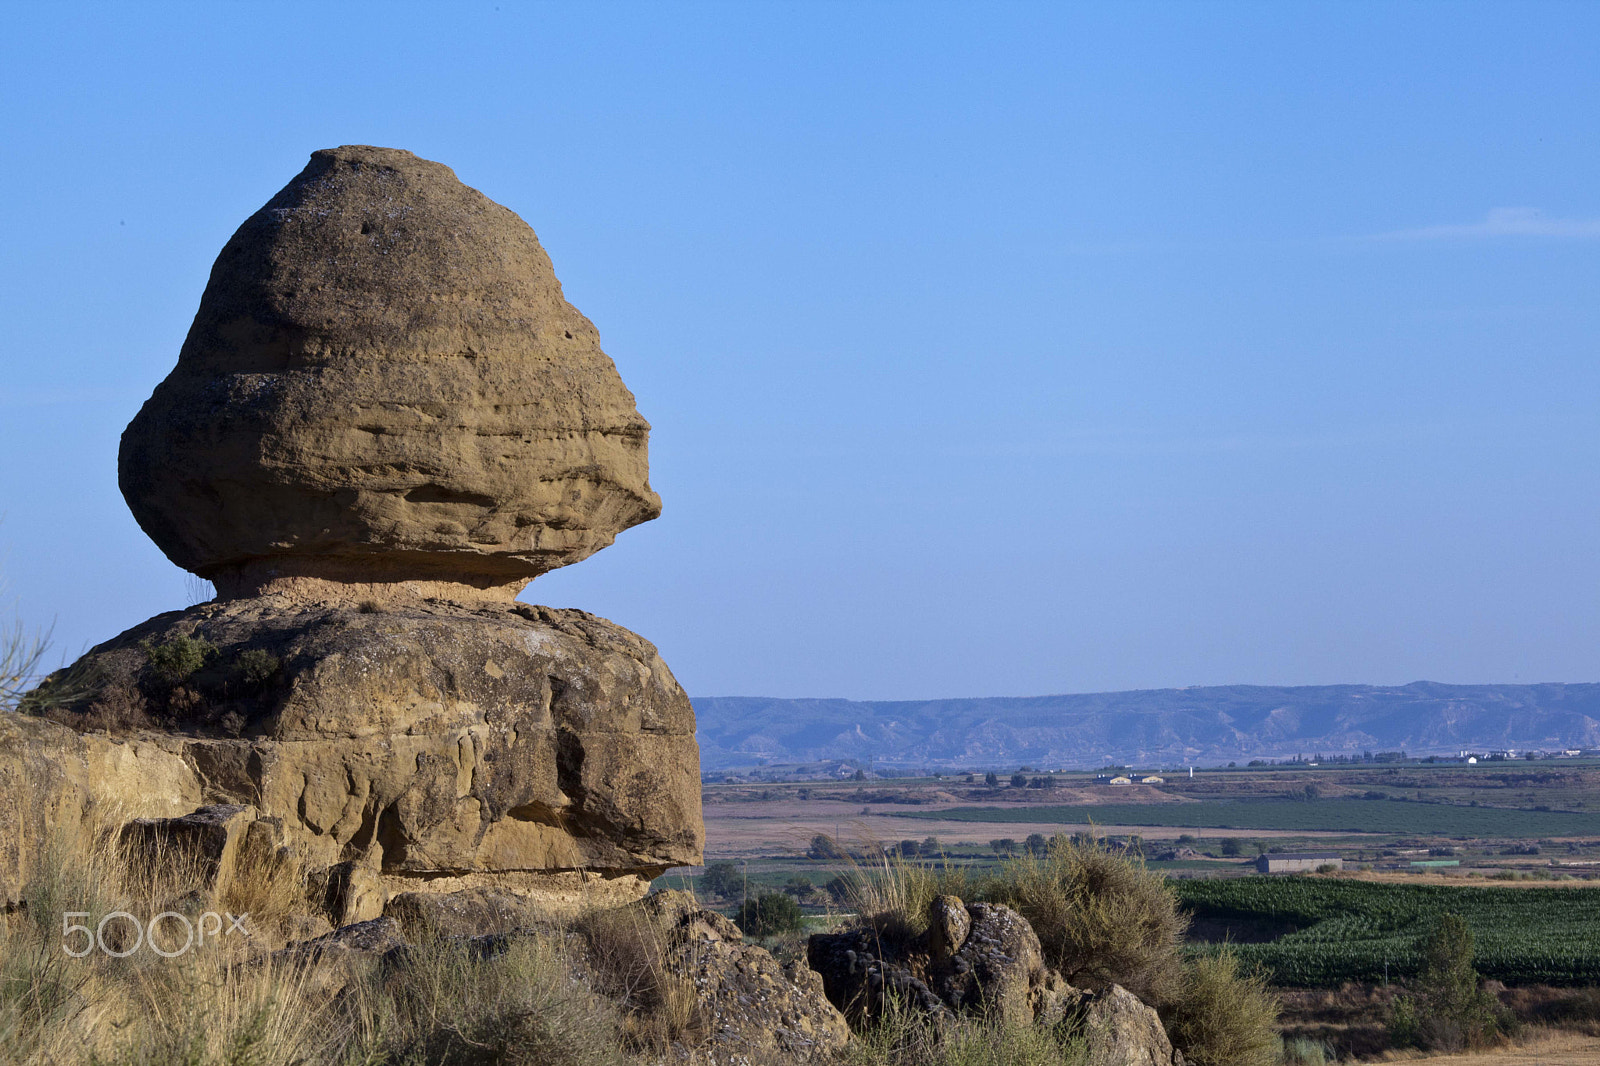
(385, 420)
(745, 1007)
(384, 382)
(984, 959)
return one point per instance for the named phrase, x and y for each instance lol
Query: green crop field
(1362, 931)
(1326, 816)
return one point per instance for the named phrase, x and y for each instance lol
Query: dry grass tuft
(891, 894)
(904, 1036)
(447, 1004)
(1102, 917)
(626, 952)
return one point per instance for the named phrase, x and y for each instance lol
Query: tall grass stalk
(891, 893)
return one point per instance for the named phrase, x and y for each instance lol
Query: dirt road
(1557, 1050)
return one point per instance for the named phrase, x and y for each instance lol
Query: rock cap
(384, 383)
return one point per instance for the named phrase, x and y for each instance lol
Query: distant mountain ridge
(1150, 726)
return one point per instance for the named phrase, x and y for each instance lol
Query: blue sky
(990, 349)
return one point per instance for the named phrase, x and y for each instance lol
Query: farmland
(1321, 816)
(1330, 930)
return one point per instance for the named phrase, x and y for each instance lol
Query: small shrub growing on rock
(769, 914)
(257, 666)
(175, 660)
(893, 896)
(1223, 1017)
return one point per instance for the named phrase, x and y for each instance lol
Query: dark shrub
(176, 659)
(768, 914)
(722, 879)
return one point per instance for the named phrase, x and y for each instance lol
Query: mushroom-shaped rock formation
(385, 421)
(384, 384)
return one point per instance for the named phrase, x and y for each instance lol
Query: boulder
(385, 420)
(384, 383)
(206, 843)
(984, 959)
(1118, 1029)
(753, 1009)
(469, 913)
(979, 958)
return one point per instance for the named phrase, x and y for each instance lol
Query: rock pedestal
(385, 421)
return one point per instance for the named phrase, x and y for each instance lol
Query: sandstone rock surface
(755, 1011)
(431, 744)
(384, 382)
(57, 786)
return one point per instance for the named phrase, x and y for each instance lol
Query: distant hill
(1167, 726)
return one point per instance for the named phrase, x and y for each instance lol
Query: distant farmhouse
(1287, 862)
(1129, 779)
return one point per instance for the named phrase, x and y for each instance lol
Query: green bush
(257, 666)
(176, 659)
(1223, 1017)
(722, 879)
(768, 914)
(1448, 1011)
(824, 848)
